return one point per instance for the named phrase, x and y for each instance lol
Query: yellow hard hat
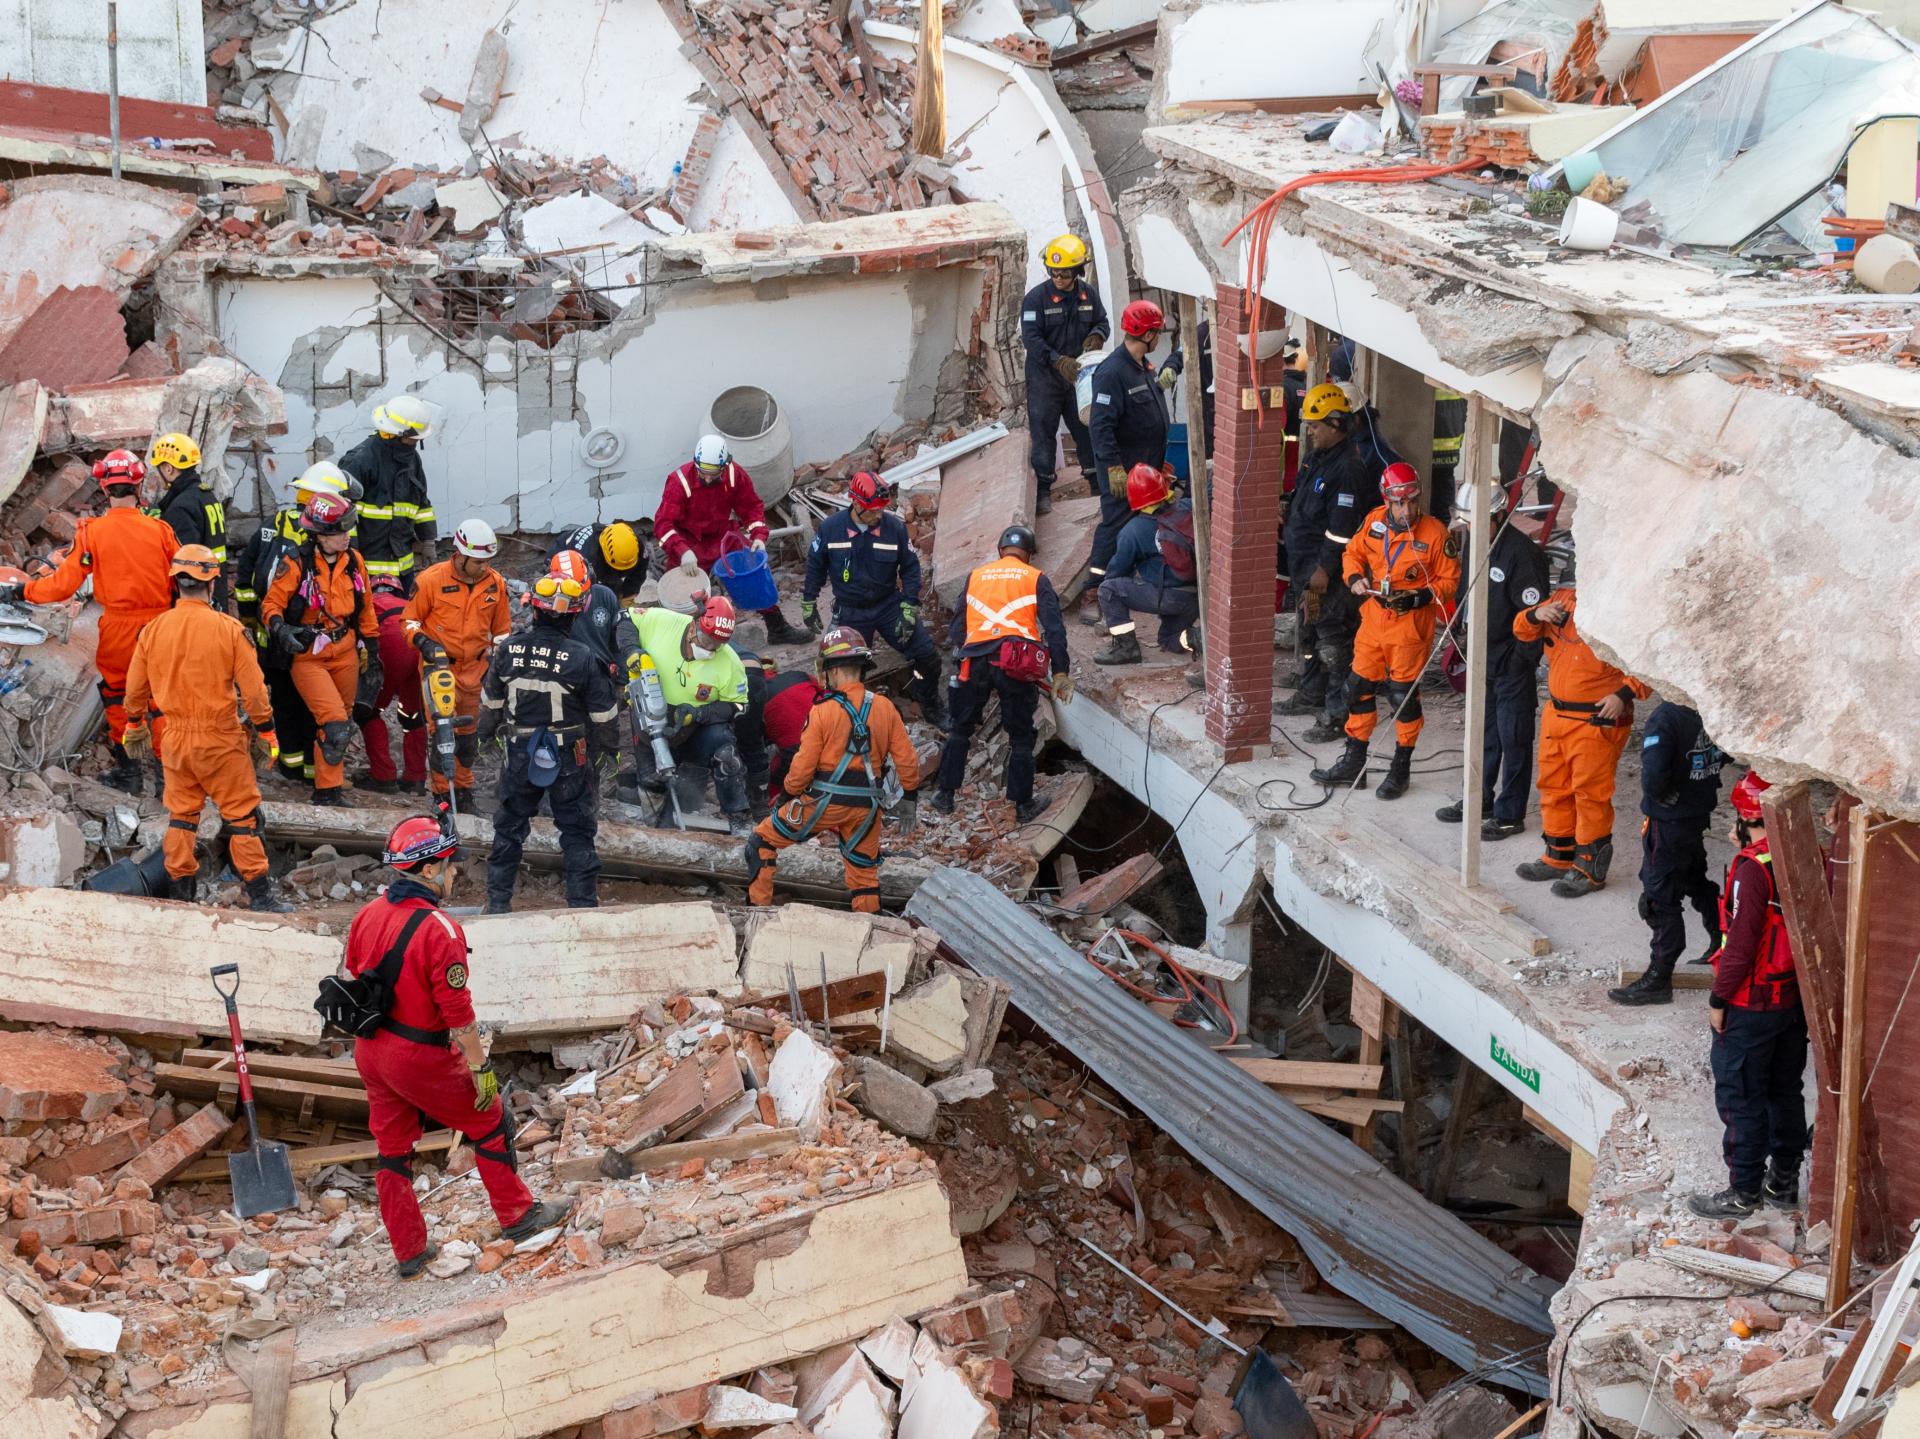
(1064, 252)
(196, 562)
(620, 545)
(1324, 400)
(175, 449)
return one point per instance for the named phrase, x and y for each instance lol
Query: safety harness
(837, 789)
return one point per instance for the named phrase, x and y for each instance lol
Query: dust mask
(701, 652)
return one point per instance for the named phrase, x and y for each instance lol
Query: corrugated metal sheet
(1371, 1236)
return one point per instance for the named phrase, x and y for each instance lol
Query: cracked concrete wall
(844, 356)
(1748, 550)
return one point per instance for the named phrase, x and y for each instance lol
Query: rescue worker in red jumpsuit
(399, 682)
(1759, 1030)
(835, 777)
(128, 554)
(425, 1064)
(706, 499)
(1401, 569)
(1589, 719)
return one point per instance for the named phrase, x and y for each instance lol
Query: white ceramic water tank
(758, 437)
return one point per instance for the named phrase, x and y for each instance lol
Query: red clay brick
(49, 1076)
(176, 1149)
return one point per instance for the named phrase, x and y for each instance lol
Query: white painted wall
(64, 42)
(740, 193)
(835, 355)
(586, 78)
(1271, 49)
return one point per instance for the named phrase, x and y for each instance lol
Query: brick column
(1249, 452)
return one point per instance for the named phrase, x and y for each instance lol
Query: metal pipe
(113, 80)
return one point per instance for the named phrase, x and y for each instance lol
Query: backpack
(356, 1005)
(1173, 537)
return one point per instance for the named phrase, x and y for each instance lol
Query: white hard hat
(475, 539)
(402, 415)
(710, 453)
(324, 478)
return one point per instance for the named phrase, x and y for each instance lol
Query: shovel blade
(262, 1179)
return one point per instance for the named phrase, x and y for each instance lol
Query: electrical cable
(1193, 988)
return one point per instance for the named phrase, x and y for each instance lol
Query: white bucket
(1588, 225)
(1271, 343)
(1887, 265)
(1083, 385)
(758, 437)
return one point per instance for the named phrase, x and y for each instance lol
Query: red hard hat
(1746, 797)
(1146, 485)
(119, 468)
(327, 515)
(417, 841)
(1400, 481)
(869, 491)
(843, 643)
(1142, 317)
(717, 620)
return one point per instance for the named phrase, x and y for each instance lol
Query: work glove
(137, 741)
(266, 745)
(1169, 377)
(431, 650)
(688, 562)
(293, 639)
(486, 1086)
(1066, 368)
(810, 615)
(1116, 481)
(906, 814)
(909, 617)
(1063, 688)
(1405, 601)
(760, 546)
(679, 716)
(1092, 343)
(367, 692)
(13, 593)
(489, 726)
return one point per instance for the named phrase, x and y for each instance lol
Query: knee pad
(334, 735)
(400, 1164)
(1645, 908)
(412, 721)
(246, 824)
(1364, 697)
(1409, 697)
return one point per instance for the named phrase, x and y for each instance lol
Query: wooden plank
(1684, 976)
(1311, 1072)
(1368, 1010)
(338, 1072)
(1853, 1044)
(334, 1100)
(1279, 105)
(1197, 486)
(1101, 44)
(1802, 1283)
(1466, 1092)
(1579, 1180)
(1352, 1110)
(1102, 892)
(1041, 836)
(742, 1144)
(852, 995)
(315, 1157)
(1532, 1414)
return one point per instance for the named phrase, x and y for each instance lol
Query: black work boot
(1309, 699)
(1653, 987)
(1498, 829)
(128, 775)
(499, 904)
(1027, 811)
(1552, 864)
(1399, 773)
(330, 798)
(184, 888)
(1324, 731)
(264, 898)
(1350, 768)
(1705, 956)
(780, 632)
(1782, 1187)
(1454, 813)
(1121, 650)
(942, 801)
(413, 1268)
(378, 786)
(1043, 503)
(544, 1215)
(1589, 872)
(1729, 1203)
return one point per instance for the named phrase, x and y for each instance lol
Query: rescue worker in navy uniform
(1176, 366)
(1679, 788)
(1142, 574)
(1128, 426)
(616, 554)
(189, 505)
(396, 517)
(868, 556)
(1759, 1030)
(1010, 638)
(1516, 580)
(559, 711)
(1061, 319)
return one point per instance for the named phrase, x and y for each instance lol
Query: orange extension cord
(1263, 216)
(1193, 988)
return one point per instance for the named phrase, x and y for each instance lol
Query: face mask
(701, 652)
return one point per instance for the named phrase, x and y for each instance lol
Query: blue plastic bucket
(747, 580)
(1177, 450)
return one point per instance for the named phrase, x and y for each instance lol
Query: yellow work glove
(486, 1086)
(266, 745)
(137, 741)
(1116, 480)
(1063, 688)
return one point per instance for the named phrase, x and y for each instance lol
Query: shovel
(263, 1176)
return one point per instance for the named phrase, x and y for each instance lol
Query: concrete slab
(50, 1076)
(23, 421)
(980, 495)
(1066, 541)
(79, 230)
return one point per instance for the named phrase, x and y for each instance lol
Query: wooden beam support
(1853, 1044)
(746, 1144)
(297, 1096)
(1367, 1008)
(1311, 1072)
(1474, 475)
(1197, 486)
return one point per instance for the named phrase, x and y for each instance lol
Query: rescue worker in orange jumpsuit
(128, 553)
(318, 609)
(835, 776)
(459, 608)
(425, 1063)
(1589, 717)
(188, 664)
(1401, 569)
(1759, 1029)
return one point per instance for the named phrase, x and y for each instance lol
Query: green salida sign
(1527, 1074)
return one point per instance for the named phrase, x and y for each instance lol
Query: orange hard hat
(570, 565)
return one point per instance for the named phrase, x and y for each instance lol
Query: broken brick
(49, 1076)
(177, 1148)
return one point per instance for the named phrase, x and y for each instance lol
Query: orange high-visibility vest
(1003, 602)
